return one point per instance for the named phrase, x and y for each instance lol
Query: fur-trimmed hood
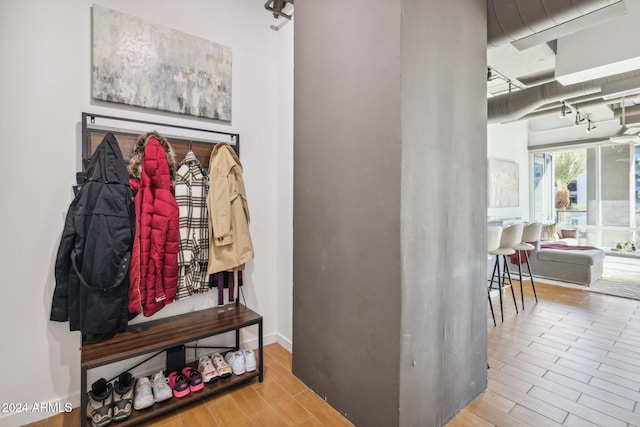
(135, 163)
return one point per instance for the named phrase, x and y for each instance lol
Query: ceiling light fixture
(277, 6)
(625, 134)
(590, 126)
(566, 109)
(495, 88)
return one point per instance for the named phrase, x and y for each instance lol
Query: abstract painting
(147, 65)
(503, 184)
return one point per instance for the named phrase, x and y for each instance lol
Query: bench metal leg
(83, 396)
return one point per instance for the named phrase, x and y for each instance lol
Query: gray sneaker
(161, 389)
(249, 360)
(235, 359)
(143, 396)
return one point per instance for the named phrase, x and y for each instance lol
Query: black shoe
(99, 406)
(123, 396)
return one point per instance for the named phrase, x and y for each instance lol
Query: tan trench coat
(230, 242)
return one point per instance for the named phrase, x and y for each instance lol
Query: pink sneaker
(194, 377)
(179, 384)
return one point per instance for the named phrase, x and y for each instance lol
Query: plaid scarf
(192, 186)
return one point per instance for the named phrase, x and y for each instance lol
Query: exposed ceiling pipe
(630, 111)
(626, 133)
(537, 79)
(515, 105)
(552, 110)
(513, 21)
(510, 21)
(580, 100)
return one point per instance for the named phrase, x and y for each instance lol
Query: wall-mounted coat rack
(200, 141)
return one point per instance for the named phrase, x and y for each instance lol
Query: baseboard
(274, 338)
(253, 342)
(284, 342)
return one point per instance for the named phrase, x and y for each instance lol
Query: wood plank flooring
(572, 359)
(280, 400)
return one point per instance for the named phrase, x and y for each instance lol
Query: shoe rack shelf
(163, 334)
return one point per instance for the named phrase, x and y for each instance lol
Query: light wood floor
(573, 359)
(280, 400)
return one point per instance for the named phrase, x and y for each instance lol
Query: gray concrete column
(389, 305)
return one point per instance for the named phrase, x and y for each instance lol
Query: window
(594, 189)
(542, 188)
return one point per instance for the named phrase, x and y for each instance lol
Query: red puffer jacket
(153, 275)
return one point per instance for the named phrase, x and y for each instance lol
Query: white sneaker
(143, 397)
(221, 366)
(161, 389)
(235, 359)
(249, 360)
(207, 370)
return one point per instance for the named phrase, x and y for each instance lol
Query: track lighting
(590, 126)
(496, 80)
(566, 109)
(277, 6)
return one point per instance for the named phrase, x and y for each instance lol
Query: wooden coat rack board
(201, 143)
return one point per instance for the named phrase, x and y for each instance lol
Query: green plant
(568, 166)
(627, 246)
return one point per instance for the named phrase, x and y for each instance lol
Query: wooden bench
(169, 333)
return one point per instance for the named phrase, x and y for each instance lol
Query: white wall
(285, 187)
(45, 85)
(509, 142)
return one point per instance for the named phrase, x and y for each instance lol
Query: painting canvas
(147, 65)
(503, 184)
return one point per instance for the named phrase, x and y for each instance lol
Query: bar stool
(511, 236)
(493, 242)
(530, 235)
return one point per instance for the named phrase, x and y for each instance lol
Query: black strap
(123, 271)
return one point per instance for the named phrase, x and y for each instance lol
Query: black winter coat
(93, 258)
